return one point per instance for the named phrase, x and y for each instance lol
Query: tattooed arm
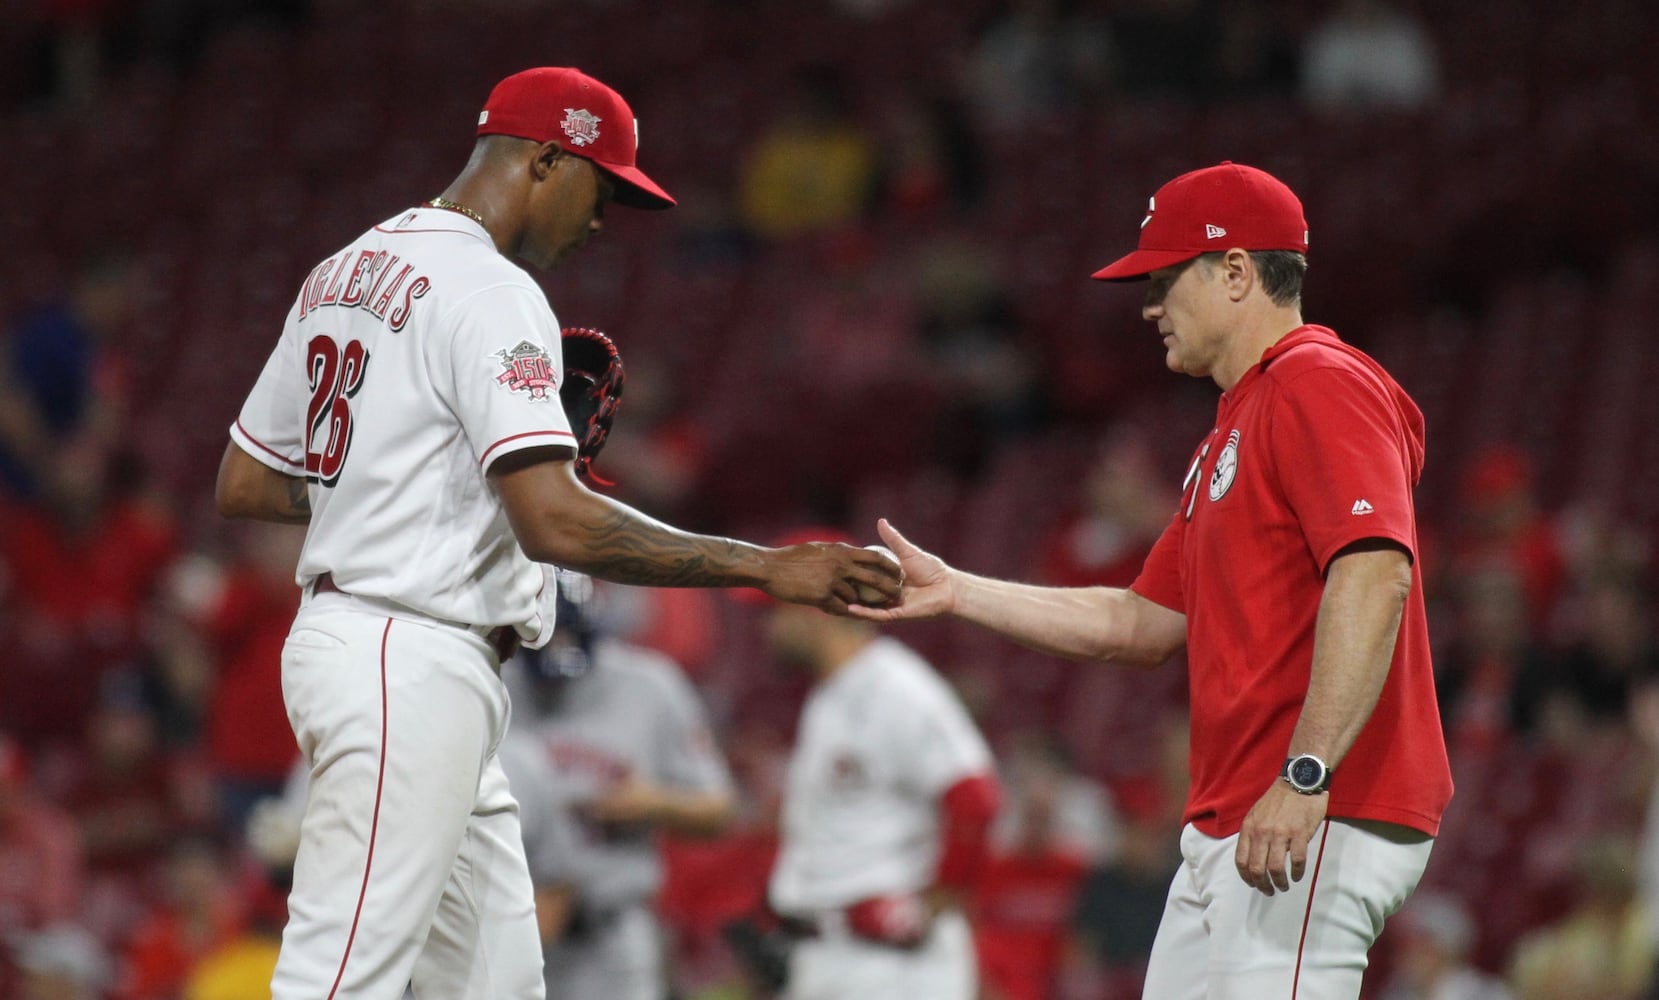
(249, 488)
(560, 521)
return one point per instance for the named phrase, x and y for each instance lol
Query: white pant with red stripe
(411, 865)
(1222, 940)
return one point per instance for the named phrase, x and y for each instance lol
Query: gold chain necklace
(454, 206)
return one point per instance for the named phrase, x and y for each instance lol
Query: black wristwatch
(1307, 774)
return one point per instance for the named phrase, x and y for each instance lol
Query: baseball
(870, 595)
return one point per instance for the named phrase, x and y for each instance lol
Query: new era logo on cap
(1248, 208)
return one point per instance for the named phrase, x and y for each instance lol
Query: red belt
(503, 638)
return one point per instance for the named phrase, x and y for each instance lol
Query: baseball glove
(591, 392)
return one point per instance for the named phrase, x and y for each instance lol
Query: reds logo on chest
(1226, 468)
(526, 368)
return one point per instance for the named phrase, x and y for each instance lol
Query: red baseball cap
(1216, 208)
(586, 117)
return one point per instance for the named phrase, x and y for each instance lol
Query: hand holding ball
(868, 595)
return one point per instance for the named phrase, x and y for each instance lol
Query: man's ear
(1238, 270)
(547, 156)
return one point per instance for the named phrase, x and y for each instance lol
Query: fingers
(1273, 841)
(1261, 863)
(893, 540)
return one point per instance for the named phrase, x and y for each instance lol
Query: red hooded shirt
(1314, 449)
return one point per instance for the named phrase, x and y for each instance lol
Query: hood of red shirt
(1410, 416)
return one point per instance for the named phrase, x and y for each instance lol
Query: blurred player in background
(889, 798)
(609, 745)
(1289, 575)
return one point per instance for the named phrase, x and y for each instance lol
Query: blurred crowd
(900, 277)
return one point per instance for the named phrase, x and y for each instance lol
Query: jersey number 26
(335, 377)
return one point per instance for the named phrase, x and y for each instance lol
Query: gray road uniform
(632, 712)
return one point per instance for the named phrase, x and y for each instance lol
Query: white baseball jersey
(412, 359)
(880, 741)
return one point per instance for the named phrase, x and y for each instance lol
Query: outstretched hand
(929, 584)
(828, 575)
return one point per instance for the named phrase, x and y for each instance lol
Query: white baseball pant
(411, 866)
(838, 965)
(1222, 940)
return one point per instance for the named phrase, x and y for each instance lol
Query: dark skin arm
(558, 520)
(251, 489)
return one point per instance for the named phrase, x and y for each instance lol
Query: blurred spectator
(1122, 507)
(1036, 59)
(1121, 902)
(1476, 670)
(815, 168)
(1501, 526)
(988, 380)
(61, 962)
(200, 912)
(122, 791)
(61, 377)
(1434, 935)
(129, 798)
(1587, 684)
(1054, 824)
(935, 162)
(1600, 949)
(84, 559)
(241, 610)
(241, 968)
(41, 868)
(1370, 54)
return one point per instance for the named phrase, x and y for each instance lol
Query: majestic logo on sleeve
(581, 125)
(527, 368)
(1226, 467)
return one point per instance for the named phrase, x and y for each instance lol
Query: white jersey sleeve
(270, 427)
(502, 369)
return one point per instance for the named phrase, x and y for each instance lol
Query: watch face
(1306, 772)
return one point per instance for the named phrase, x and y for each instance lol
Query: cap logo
(483, 116)
(581, 125)
(1214, 232)
(1151, 206)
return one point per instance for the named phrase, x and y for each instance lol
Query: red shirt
(1022, 909)
(1314, 449)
